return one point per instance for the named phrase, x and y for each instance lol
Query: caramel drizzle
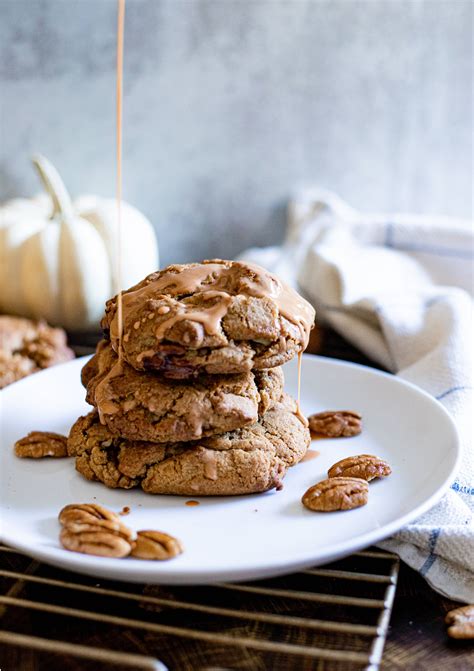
(300, 356)
(298, 412)
(210, 317)
(104, 396)
(212, 279)
(119, 99)
(290, 304)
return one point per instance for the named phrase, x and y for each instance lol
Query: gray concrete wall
(230, 104)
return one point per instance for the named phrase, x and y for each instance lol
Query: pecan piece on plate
(336, 494)
(155, 545)
(461, 621)
(39, 444)
(336, 423)
(95, 541)
(365, 466)
(84, 517)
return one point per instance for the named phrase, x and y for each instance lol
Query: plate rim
(148, 571)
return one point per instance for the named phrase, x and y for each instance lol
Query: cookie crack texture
(137, 404)
(243, 461)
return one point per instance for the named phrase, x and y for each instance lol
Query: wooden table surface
(417, 639)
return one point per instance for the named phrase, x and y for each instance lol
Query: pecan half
(461, 621)
(39, 444)
(90, 517)
(95, 541)
(336, 423)
(365, 466)
(336, 494)
(92, 529)
(156, 545)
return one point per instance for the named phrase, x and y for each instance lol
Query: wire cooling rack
(329, 618)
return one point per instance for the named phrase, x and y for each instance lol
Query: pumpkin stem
(54, 186)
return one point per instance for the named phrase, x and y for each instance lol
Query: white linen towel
(400, 288)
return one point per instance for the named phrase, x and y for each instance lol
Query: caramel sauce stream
(119, 99)
(300, 356)
(298, 412)
(105, 405)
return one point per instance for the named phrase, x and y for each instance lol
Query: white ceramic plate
(233, 538)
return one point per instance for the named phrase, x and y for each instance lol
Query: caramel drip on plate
(192, 503)
(119, 95)
(310, 454)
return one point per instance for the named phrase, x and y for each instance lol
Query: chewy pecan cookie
(244, 461)
(27, 347)
(216, 317)
(137, 404)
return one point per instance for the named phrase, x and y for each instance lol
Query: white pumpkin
(58, 259)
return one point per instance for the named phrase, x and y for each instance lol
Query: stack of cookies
(187, 387)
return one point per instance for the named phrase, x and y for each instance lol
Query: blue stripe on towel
(462, 489)
(434, 535)
(452, 390)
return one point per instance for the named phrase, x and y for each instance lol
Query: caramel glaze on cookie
(217, 317)
(244, 461)
(136, 404)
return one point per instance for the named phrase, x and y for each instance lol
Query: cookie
(244, 461)
(27, 347)
(138, 405)
(215, 317)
